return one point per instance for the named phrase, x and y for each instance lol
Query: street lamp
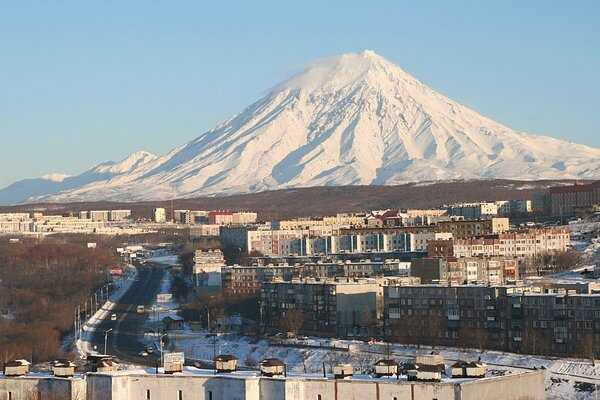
(160, 338)
(106, 332)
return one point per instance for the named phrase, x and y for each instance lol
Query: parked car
(143, 353)
(113, 317)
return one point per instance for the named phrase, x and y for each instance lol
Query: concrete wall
(136, 387)
(529, 386)
(30, 388)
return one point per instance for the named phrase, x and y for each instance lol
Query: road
(125, 341)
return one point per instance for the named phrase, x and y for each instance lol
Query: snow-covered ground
(167, 259)
(566, 378)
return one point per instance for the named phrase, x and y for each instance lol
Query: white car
(113, 317)
(143, 353)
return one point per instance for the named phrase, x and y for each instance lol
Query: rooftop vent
(225, 363)
(272, 367)
(16, 368)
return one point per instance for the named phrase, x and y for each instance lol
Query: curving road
(126, 339)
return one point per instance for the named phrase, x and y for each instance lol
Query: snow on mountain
(50, 184)
(351, 119)
(55, 177)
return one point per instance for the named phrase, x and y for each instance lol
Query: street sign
(173, 362)
(164, 297)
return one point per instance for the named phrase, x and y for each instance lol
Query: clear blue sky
(85, 82)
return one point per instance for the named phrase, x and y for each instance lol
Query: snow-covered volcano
(351, 119)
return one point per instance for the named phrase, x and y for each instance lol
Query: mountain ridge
(354, 119)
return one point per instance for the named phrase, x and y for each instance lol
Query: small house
(426, 373)
(385, 367)
(272, 367)
(462, 369)
(342, 371)
(225, 363)
(173, 323)
(16, 368)
(63, 368)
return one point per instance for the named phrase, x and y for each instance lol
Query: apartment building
(448, 315)
(354, 269)
(119, 215)
(99, 215)
(508, 318)
(160, 215)
(15, 223)
(244, 217)
(473, 210)
(523, 244)
(248, 280)
(555, 323)
(208, 267)
(464, 229)
(276, 242)
(60, 224)
(14, 217)
(205, 230)
(337, 221)
(565, 200)
(325, 307)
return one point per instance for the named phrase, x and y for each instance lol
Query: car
(143, 353)
(113, 317)
(150, 349)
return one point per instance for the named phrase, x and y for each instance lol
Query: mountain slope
(348, 120)
(55, 183)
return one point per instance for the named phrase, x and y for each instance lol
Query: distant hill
(326, 200)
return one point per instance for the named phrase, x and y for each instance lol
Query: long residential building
(486, 270)
(528, 243)
(565, 200)
(509, 318)
(248, 280)
(310, 242)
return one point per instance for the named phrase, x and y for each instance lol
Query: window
(180, 394)
(147, 394)
(210, 395)
(319, 397)
(10, 396)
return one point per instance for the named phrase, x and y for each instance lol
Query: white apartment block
(473, 210)
(120, 215)
(314, 242)
(14, 217)
(99, 215)
(244, 217)
(515, 244)
(208, 267)
(160, 215)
